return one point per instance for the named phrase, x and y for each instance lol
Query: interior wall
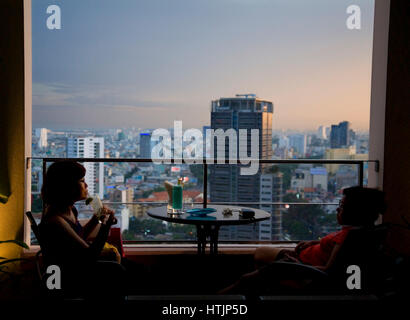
(12, 124)
(396, 178)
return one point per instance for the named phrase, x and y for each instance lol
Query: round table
(209, 225)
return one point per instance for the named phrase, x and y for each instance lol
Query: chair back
(363, 247)
(34, 226)
(39, 254)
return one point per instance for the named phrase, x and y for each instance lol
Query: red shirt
(319, 254)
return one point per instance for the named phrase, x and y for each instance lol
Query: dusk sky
(146, 63)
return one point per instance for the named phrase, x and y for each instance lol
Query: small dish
(200, 211)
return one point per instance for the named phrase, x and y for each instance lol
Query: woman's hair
(362, 206)
(61, 187)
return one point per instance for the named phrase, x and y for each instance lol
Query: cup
(168, 186)
(97, 206)
(169, 207)
(177, 199)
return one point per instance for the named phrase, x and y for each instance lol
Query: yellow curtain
(4, 177)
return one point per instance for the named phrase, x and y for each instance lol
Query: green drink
(177, 197)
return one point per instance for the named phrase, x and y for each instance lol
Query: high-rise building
(89, 147)
(341, 135)
(226, 183)
(298, 143)
(322, 132)
(41, 133)
(207, 143)
(145, 145)
(271, 191)
(327, 130)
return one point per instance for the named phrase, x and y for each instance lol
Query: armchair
(363, 247)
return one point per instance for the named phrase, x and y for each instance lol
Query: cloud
(91, 96)
(61, 105)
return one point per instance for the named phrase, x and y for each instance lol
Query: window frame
(377, 105)
(28, 119)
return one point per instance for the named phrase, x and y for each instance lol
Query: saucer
(200, 211)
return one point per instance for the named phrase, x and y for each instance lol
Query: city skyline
(123, 65)
(98, 131)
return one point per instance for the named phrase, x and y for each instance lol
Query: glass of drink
(96, 204)
(177, 199)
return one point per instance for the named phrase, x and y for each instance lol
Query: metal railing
(206, 163)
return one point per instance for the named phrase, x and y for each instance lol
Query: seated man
(359, 207)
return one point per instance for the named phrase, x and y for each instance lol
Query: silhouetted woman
(64, 241)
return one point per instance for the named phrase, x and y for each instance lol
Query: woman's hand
(107, 216)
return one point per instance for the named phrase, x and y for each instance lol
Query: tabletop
(214, 218)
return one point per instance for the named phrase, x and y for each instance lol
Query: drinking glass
(177, 199)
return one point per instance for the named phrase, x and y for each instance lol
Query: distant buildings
(346, 176)
(122, 194)
(314, 184)
(140, 209)
(89, 147)
(342, 154)
(306, 177)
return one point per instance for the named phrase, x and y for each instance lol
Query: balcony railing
(206, 163)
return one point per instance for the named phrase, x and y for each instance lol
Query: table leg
(213, 233)
(201, 236)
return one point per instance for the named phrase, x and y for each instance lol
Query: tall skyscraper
(340, 135)
(89, 147)
(145, 145)
(207, 143)
(226, 182)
